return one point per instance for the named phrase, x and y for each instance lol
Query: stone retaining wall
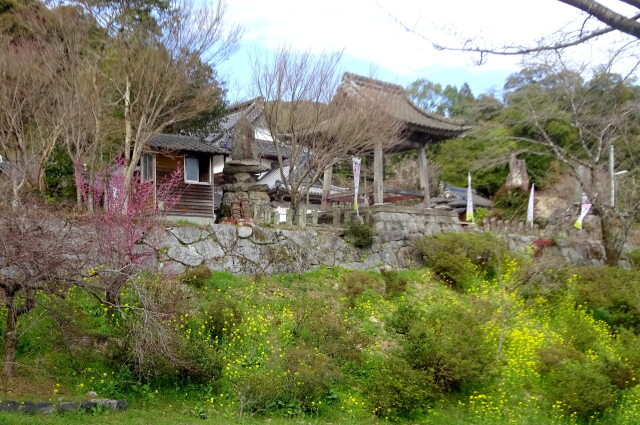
(253, 249)
(581, 252)
(266, 250)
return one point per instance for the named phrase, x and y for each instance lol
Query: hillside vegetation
(481, 336)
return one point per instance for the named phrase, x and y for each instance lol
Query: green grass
(333, 332)
(173, 416)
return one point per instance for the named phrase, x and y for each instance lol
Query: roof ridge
(243, 104)
(373, 83)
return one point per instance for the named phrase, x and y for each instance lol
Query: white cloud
(365, 31)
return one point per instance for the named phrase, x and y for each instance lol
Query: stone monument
(518, 177)
(239, 197)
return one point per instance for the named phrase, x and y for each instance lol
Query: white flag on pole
(470, 217)
(584, 210)
(356, 182)
(530, 206)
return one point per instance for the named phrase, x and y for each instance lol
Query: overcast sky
(373, 42)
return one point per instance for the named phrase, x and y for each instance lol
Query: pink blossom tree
(125, 229)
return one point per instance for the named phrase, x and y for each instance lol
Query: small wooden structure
(419, 129)
(199, 162)
(203, 160)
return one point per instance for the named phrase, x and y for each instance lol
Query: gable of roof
(398, 105)
(254, 110)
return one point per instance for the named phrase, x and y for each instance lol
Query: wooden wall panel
(196, 199)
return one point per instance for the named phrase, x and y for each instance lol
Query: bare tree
(162, 65)
(39, 253)
(555, 111)
(85, 95)
(315, 124)
(609, 19)
(30, 117)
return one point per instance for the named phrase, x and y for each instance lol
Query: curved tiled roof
(398, 105)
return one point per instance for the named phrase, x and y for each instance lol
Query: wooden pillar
(424, 176)
(213, 187)
(378, 174)
(326, 187)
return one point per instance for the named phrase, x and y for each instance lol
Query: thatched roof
(421, 124)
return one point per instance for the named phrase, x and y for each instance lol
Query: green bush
(325, 329)
(404, 318)
(456, 258)
(197, 276)
(257, 390)
(58, 177)
(309, 377)
(359, 234)
(292, 384)
(356, 282)
(511, 204)
(582, 387)
(480, 214)
(395, 284)
(395, 389)
(223, 315)
(634, 259)
(448, 342)
(611, 293)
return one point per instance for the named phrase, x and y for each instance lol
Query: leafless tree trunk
(593, 116)
(158, 72)
(313, 123)
(30, 121)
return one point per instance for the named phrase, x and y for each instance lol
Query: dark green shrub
(396, 390)
(309, 377)
(197, 276)
(581, 387)
(511, 204)
(611, 293)
(634, 259)
(356, 282)
(58, 177)
(323, 327)
(552, 356)
(203, 363)
(458, 257)
(448, 343)
(619, 373)
(292, 384)
(222, 315)
(257, 390)
(404, 318)
(395, 284)
(629, 347)
(359, 234)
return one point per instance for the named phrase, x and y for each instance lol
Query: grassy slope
(513, 390)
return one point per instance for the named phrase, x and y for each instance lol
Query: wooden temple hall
(419, 129)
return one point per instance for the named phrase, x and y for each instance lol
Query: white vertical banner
(356, 182)
(531, 205)
(584, 210)
(470, 216)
